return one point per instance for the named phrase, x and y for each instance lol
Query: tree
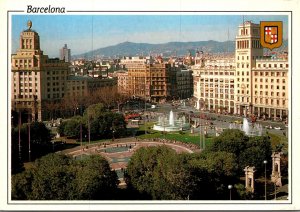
(231, 140)
(104, 123)
(59, 177)
(159, 173)
(249, 151)
(71, 127)
(94, 179)
(21, 185)
(257, 150)
(39, 144)
(51, 178)
(39, 133)
(212, 172)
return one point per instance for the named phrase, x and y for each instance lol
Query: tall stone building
(35, 78)
(154, 80)
(65, 54)
(249, 83)
(247, 51)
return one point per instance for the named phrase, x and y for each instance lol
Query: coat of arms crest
(271, 34)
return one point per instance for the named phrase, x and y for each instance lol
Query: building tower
(65, 54)
(35, 79)
(248, 49)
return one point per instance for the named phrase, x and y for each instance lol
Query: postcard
(141, 105)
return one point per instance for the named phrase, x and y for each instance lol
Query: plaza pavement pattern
(118, 153)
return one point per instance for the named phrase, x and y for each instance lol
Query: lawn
(185, 137)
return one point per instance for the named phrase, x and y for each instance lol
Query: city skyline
(108, 30)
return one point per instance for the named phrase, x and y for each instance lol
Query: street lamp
(29, 149)
(265, 162)
(229, 187)
(80, 129)
(19, 132)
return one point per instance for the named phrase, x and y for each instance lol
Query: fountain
(254, 130)
(172, 124)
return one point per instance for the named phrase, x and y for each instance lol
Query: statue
(29, 24)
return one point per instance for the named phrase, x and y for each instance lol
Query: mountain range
(166, 49)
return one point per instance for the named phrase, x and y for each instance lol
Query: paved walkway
(118, 153)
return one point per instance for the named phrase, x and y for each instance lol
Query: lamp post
(229, 187)
(89, 127)
(29, 149)
(265, 162)
(19, 129)
(80, 130)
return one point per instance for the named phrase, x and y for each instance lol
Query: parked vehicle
(269, 127)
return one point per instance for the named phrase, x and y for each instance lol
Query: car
(277, 128)
(269, 127)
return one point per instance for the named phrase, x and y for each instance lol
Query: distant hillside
(167, 49)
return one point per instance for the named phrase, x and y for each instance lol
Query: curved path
(119, 152)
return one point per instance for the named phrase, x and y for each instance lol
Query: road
(218, 120)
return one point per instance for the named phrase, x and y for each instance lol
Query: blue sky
(83, 33)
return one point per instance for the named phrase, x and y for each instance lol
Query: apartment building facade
(154, 79)
(250, 83)
(37, 80)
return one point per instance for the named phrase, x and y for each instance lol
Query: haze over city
(84, 33)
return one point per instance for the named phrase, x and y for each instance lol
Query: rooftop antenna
(243, 26)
